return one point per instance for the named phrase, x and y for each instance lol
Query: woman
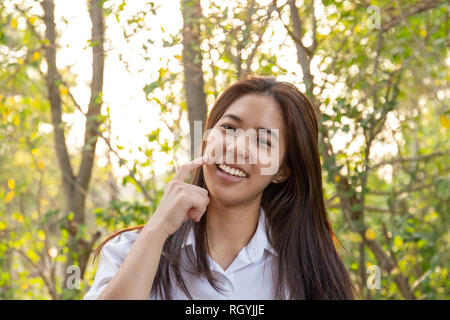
(234, 232)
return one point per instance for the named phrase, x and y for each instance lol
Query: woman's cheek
(215, 146)
(269, 164)
(210, 150)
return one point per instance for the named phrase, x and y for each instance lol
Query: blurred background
(97, 99)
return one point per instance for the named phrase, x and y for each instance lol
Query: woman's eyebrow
(233, 116)
(237, 119)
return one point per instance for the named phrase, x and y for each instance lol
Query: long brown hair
(308, 264)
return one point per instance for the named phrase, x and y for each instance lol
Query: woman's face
(249, 137)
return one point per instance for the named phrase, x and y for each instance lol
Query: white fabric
(248, 277)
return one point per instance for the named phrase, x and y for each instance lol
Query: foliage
(383, 98)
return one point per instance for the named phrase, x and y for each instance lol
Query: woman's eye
(265, 142)
(226, 125)
(260, 140)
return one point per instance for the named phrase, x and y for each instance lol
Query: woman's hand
(181, 201)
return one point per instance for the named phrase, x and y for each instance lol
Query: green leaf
(154, 135)
(346, 128)
(150, 87)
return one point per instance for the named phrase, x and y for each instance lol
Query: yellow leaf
(2, 225)
(34, 215)
(41, 235)
(14, 23)
(18, 217)
(21, 158)
(35, 103)
(44, 202)
(64, 91)
(355, 237)
(36, 56)
(370, 234)
(430, 217)
(395, 271)
(398, 241)
(16, 120)
(11, 184)
(10, 101)
(61, 259)
(9, 196)
(445, 122)
(320, 36)
(162, 72)
(32, 255)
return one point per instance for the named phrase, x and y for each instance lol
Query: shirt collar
(258, 243)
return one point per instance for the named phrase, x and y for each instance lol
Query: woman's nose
(237, 148)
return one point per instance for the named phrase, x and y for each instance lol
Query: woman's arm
(181, 201)
(134, 279)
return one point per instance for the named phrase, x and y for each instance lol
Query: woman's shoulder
(127, 236)
(119, 245)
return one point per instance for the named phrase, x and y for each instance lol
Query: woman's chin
(225, 197)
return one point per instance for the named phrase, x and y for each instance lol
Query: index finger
(186, 168)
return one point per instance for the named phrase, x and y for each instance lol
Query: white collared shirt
(250, 275)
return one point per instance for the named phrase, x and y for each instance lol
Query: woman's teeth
(232, 171)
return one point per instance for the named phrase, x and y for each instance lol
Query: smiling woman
(240, 233)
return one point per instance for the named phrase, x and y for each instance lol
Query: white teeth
(232, 171)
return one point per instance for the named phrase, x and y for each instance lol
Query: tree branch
(422, 6)
(298, 31)
(95, 102)
(419, 158)
(313, 46)
(40, 272)
(53, 93)
(250, 58)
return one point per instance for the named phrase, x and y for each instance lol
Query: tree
(192, 62)
(76, 185)
(382, 95)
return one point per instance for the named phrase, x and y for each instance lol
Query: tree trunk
(302, 53)
(193, 73)
(76, 186)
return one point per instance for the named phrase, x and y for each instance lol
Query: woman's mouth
(229, 174)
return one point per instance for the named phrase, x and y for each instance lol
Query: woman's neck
(230, 228)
